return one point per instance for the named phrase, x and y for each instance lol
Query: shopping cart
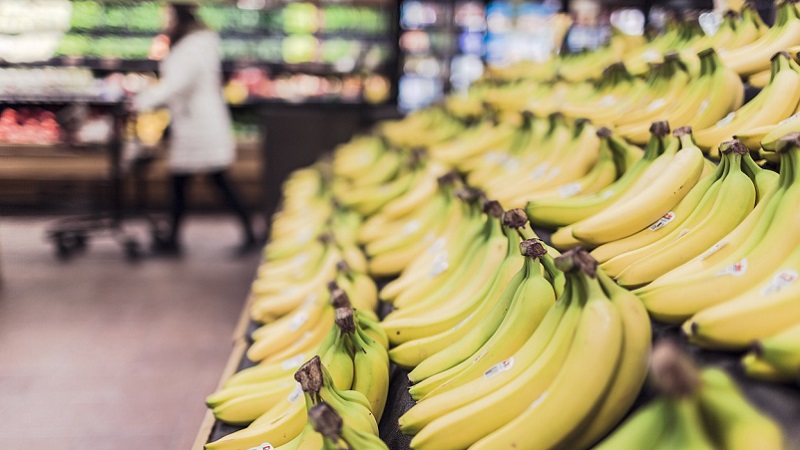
(127, 159)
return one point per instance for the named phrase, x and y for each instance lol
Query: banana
(581, 152)
(781, 129)
(242, 405)
(735, 201)
(733, 422)
(754, 57)
(278, 335)
(493, 411)
(278, 426)
(513, 332)
(781, 351)
(529, 286)
(452, 322)
(759, 255)
(371, 371)
(767, 183)
(351, 405)
(759, 369)
(623, 219)
(669, 222)
(782, 94)
(688, 431)
(561, 212)
(540, 356)
(424, 320)
(329, 424)
(631, 372)
(646, 428)
(434, 267)
(571, 398)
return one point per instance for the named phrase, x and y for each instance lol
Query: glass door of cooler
(441, 46)
(520, 31)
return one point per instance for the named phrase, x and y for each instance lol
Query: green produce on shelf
(74, 45)
(237, 48)
(334, 50)
(116, 16)
(300, 18)
(269, 50)
(299, 49)
(146, 16)
(86, 14)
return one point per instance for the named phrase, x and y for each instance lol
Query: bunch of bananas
(443, 304)
(695, 409)
(755, 56)
(669, 172)
(538, 396)
(330, 431)
(351, 365)
(775, 358)
(409, 224)
(741, 288)
(715, 206)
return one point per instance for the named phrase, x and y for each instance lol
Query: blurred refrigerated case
(442, 44)
(521, 31)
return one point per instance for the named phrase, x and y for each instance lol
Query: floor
(99, 353)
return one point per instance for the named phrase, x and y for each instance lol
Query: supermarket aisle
(96, 353)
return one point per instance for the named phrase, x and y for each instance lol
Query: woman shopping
(201, 137)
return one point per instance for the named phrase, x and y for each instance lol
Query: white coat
(190, 86)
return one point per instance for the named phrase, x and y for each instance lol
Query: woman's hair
(186, 22)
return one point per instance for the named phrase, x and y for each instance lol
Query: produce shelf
(780, 401)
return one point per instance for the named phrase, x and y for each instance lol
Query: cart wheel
(63, 249)
(132, 250)
(80, 241)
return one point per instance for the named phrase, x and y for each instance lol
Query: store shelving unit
(781, 401)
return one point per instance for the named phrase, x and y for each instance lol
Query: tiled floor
(96, 353)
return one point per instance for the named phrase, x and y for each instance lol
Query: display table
(780, 401)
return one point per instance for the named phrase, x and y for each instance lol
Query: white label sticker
(702, 106)
(437, 245)
(263, 446)
(736, 269)
(439, 265)
(499, 367)
(510, 164)
(293, 362)
(296, 393)
(655, 104)
(714, 249)
(539, 171)
(781, 279)
(411, 227)
(726, 120)
(608, 100)
(298, 320)
(792, 117)
(608, 194)
(310, 300)
(662, 222)
(553, 173)
(300, 260)
(651, 55)
(569, 189)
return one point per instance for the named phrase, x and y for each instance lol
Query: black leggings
(179, 183)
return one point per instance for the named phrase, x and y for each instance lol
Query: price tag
(736, 269)
(499, 368)
(779, 281)
(662, 222)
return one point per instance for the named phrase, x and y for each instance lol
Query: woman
(201, 136)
